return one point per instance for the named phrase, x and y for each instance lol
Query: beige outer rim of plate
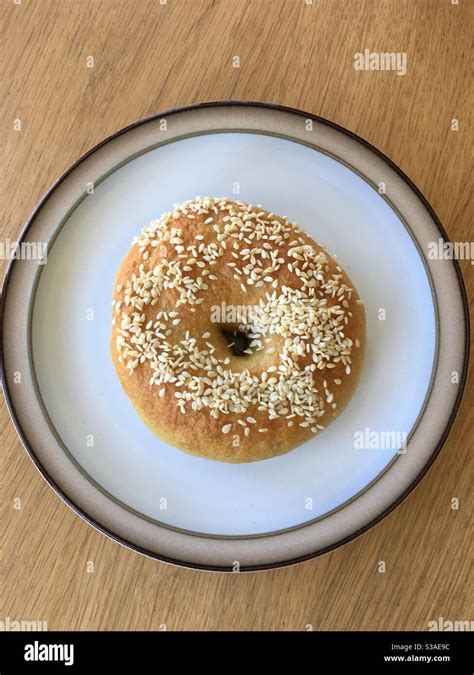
(287, 546)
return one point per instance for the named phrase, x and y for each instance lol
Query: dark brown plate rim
(371, 523)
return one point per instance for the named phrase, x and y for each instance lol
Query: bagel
(235, 336)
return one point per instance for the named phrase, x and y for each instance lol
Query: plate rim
(292, 560)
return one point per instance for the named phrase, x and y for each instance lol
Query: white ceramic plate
(80, 427)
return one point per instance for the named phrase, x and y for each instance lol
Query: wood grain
(149, 57)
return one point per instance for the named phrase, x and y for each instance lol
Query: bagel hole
(237, 340)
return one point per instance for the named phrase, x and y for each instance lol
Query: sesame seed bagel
(234, 334)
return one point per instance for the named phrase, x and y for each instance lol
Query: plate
(82, 432)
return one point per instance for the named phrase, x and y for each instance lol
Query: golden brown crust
(197, 431)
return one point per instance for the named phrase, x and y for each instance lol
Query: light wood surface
(149, 57)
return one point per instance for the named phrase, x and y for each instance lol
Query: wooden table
(147, 57)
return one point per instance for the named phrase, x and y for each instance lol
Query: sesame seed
(307, 316)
